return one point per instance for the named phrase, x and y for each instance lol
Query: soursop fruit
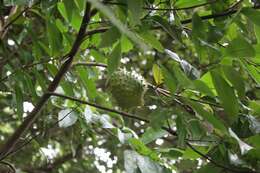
(127, 88)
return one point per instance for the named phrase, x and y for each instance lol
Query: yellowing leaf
(157, 74)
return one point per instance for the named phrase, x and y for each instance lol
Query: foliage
(198, 111)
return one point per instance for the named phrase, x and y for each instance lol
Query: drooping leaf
(109, 37)
(236, 80)
(152, 134)
(55, 38)
(19, 100)
(239, 48)
(135, 7)
(226, 95)
(252, 14)
(170, 80)
(114, 59)
(150, 39)
(208, 116)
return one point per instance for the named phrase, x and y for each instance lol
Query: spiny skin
(126, 89)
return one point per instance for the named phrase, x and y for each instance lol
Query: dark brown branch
(8, 146)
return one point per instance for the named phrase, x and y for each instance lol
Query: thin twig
(97, 106)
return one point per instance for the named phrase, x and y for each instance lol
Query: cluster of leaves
(200, 59)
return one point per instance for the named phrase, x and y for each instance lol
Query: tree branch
(125, 114)
(8, 146)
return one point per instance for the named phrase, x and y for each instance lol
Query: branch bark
(11, 142)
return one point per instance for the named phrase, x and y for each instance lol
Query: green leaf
(70, 13)
(158, 117)
(254, 140)
(30, 86)
(253, 71)
(88, 83)
(217, 124)
(170, 80)
(252, 14)
(141, 148)
(181, 130)
(198, 28)
(157, 75)
(235, 78)
(67, 88)
(114, 59)
(62, 9)
(182, 79)
(55, 38)
(126, 44)
(152, 134)
(239, 48)
(19, 101)
(190, 154)
(203, 88)
(150, 39)
(172, 31)
(209, 168)
(226, 95)
(173, 153)
(135, 7)
(189, 3)
(69, 7)
(109, 37)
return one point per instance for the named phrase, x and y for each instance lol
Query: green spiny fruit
(127, 88)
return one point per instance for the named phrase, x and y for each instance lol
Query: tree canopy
(135, 86)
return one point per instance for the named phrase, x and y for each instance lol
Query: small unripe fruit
(127, 89)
